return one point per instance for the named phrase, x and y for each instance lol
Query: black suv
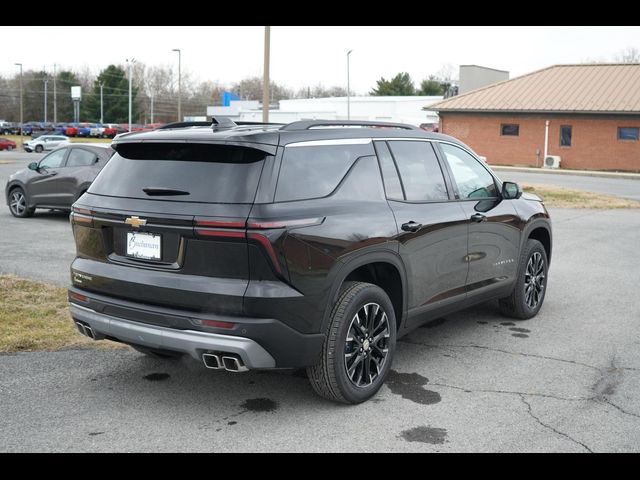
(315, 244)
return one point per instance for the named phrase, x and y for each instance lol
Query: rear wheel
(157, 353)
(18, 204)
(528, 294)
(9, 148)
(39, 148)
(359, 347)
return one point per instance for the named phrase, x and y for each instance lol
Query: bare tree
(628, 55)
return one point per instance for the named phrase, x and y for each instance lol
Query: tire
(330, 377)
(18, 203)
(9, 148)
(39, 148)
(528, 294)
(157, 353)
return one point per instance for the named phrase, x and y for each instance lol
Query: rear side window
(79, 157)
(389, 173)
(419, 170)
(315, 171)
(183, 173)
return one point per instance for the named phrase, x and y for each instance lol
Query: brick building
(592, 110)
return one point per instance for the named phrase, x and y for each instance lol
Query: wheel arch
(384, 269)
(540, 230)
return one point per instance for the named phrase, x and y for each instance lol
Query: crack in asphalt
(549, 427)
(512, 392)
(617, 407)
(518, 354)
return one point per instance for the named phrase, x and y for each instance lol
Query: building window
(565, 135)
(629, 133)
(510, 129)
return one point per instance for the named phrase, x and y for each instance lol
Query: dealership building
(576, 116)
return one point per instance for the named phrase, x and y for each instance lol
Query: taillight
(81, 216)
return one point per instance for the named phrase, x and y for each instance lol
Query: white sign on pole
(76, 93)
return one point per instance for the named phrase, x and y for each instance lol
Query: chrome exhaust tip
(80, 328)
(212, 361)
(233, 364)
(89, 332)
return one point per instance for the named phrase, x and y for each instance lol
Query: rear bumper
(183, 331)
(186, 341)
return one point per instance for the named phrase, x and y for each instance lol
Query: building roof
(583, 88)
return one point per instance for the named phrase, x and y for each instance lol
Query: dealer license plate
(143, 245)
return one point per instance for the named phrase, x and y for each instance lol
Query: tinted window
(565, 136)
(209, 173)
(472, 179)
(315, 171)
(628, 133)
(54, 159)
(79, 157)
(419, 170)
(389, 172)
(510, 130)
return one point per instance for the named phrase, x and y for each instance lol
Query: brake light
(217, 324)
(302, 222)
(81, 216)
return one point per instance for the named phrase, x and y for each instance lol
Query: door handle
(411, 226)
(478, 217)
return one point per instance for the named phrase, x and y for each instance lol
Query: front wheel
(359, 347)
(9, 148)
(529, 291)
(39, 148)
(18, 204)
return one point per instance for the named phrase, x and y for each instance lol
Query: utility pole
(46, 81)
(129, 63)
(55, 96)
(152, 108)
(265, 76)
(21, 119)
(348, 88)
(179, 83)
(101, 104)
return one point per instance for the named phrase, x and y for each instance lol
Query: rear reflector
(78, 297)
(217, 324)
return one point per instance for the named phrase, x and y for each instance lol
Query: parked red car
(6, 144)
(71, 131)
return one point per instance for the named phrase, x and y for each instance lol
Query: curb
(583, 173)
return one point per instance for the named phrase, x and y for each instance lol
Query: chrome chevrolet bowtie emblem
(135, 222)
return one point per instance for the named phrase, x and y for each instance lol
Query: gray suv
(57, 180)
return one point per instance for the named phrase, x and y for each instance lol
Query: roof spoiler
(309, 124)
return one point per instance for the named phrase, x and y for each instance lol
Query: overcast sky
(303, 56)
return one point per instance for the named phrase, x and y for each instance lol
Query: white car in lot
(97, 132)
(46, 142)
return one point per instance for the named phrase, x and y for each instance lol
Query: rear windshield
(182, 173)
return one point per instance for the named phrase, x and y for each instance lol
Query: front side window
(472, 179)
(79, 157)
(54, 159)
(509, 129)
(565, 135)
(420, 171)
(629, 133)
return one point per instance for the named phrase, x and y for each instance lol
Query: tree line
(154, 94)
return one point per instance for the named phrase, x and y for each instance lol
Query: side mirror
(33, 166)
(511, 190)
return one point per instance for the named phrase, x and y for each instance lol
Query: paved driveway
(567, 380)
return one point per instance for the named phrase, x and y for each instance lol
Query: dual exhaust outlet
(227, 361)
(85, 330)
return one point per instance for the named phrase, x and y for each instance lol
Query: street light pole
(101, 104)
(179, 83)
(21, 119)
(265, 76)
(46, 81)
(348, 88)
(55, 97)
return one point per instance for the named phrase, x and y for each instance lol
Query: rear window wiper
(163, 191)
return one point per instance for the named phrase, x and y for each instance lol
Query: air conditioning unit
(552, 161)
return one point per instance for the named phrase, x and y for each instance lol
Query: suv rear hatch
(165, 224)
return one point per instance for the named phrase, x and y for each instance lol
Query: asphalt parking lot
(567, 380)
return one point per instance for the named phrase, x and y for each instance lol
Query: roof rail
(309, 124)
(184, 125)
(248, 123)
